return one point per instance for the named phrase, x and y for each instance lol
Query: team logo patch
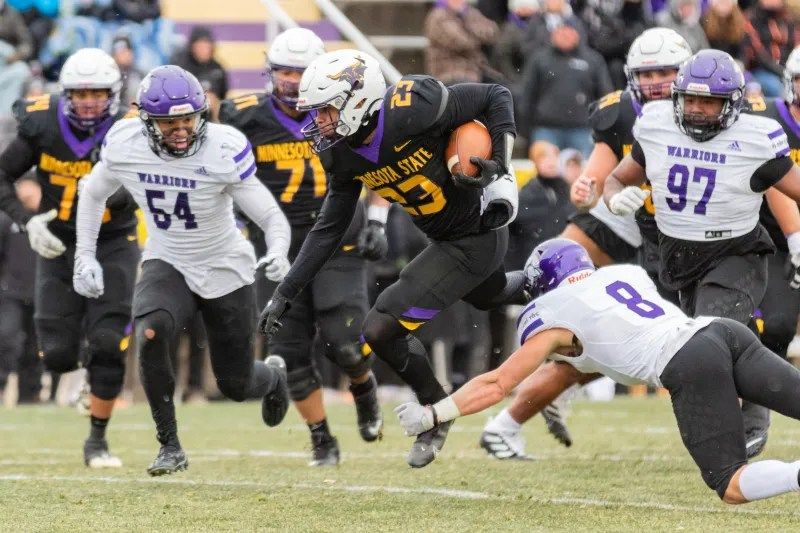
(698, 88)
(353, 74)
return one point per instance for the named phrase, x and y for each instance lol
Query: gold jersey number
(70, 185)
(297, 169)
(417, 195)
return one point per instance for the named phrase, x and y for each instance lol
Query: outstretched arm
(98, 186)
(260, 206)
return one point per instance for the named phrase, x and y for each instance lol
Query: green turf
(627, 471)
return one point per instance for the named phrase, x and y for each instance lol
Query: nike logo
(399, 147)
(132, 237)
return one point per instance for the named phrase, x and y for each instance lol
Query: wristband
(793, 242)
(445, 410)
(378, 213)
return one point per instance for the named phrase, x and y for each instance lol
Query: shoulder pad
(530, 321)
(236, 111)
(604, 112)
(234, 146)
(755, 104)
(117, 142)
(32, 119)
(420, 100)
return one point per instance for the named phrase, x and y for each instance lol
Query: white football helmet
(90, 68)
(654, 49)
(293, 49)
(790, 71)
(350, 81)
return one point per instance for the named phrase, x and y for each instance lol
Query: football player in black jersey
(651, 66)
(336, 301)
(393, 142)
(61, 135)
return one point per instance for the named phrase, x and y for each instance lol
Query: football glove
(627, 201)
(87, 276)
(276, 266)
(372, 242)
(41, 238)
(489, 171)
(414, 418)
(270, 321)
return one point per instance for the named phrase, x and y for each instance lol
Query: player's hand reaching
(414, 418)
(87, 276)
(372, 242)
(628, 200)
(41, 238)
(276, 266)
(583, 193)
(489, 171)
(270, 321)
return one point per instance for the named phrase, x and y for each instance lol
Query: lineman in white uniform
(185, 174)
(613, 321)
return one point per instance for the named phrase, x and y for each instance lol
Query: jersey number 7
(181, 210)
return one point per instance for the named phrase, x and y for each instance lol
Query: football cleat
(276, 402)
(428, 445)
(170, 459)
(96, 455)
(368, 412)
(504, 445)
(556, 425)
(325, 452)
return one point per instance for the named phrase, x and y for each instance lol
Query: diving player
(185, 174)
(61, 134)
(393, 141)
(336, 301)
(613, 321)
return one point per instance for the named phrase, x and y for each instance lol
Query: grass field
(626, 471)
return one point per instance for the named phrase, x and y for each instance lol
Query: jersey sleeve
(236, 146)
(32, 116)
(603, 118)
(532, 320)
(416, 103)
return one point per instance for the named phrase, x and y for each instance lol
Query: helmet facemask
(74, 114)
(159, 142)
(283, 90)
(702, 127)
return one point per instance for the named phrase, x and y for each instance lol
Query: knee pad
(234, 388)
(302, 382)
(156, 326)
(353, 359)
(59, 345)
(106, 362)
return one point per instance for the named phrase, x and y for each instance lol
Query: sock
(320, 431)
(97, 429)
(262, 380)
(409, 360)
(503, 423)
(765, 479)
(361, 389)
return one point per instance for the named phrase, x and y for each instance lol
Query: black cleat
(368, 411)
(325, 452)
(170, 459)
(556, 425)
(428, 445)
(276, 402)
(96, 454)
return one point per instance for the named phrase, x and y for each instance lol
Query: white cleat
(504, 445)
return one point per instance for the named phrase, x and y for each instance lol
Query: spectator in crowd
(724, 23)
(558, 84)
(16, 46)
(119, 10)
(122, 52)
(456, 32)
(770, 35)
(552, 13)
(683, 16)
(611, 27)
(507, 55)
(496, 10)
(39, 16)
(570, 164)
(17, 338)
(198, 58)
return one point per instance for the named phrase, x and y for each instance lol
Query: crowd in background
(555, 56)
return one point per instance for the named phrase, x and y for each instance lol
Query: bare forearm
(480, 393)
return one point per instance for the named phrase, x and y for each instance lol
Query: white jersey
(628, 332)
(625, 227)
(702, 190)
(188, 202)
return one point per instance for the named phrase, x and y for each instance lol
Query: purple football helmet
(169, 92)
(711, 73)
(553, 262)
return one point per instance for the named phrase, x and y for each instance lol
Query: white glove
(87, 276)
(627, 201)
(42, 239)
(414, 418)
(793, 242)
(277, 266)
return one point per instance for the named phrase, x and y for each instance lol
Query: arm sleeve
(323, 240)
(100, 184)
(16, 160)
(260, 206)
(770, 173)
(489, 102)
(637, 154)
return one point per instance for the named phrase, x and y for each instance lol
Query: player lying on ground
(613, 321)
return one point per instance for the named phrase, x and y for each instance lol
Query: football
(468, 140)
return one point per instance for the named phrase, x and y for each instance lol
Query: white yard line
(458, 494)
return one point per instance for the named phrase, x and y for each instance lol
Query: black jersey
(62, 157)
(776, 108)
(286, 164)
(611, 119)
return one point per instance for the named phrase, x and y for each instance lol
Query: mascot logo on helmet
(352, 74)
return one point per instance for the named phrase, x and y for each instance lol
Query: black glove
(372, 242)
(490, 170)
(269, 322)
